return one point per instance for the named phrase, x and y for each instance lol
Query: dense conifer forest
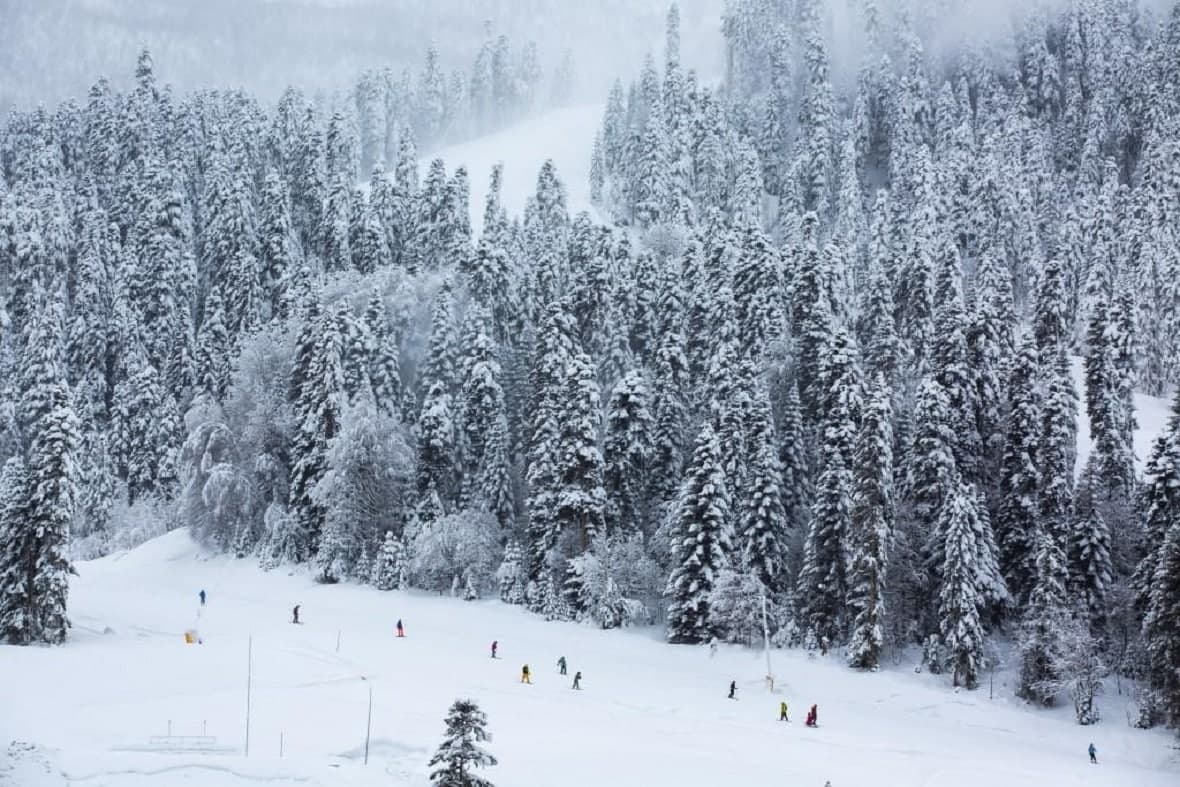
(815, 350)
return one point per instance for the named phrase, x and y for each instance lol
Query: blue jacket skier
(202, 595)
(1093, 754)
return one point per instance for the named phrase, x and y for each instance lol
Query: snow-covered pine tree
(146, 429)
(34, 568)
(442, 360)
(16, 590)
(384, 357)
(876, 330)
(511, 575)
(670, 415)
(991, 347)
(823, 580)
(459, 752)
(278, 260)
(1106, 405)
(581, 499)
(548, 384)
(1042, 630)
(482, 403)
(762, 525)
(758, 294)
(817, 119)
(496, 487)
(950, 362)
(1161, 629)
(1089, 555)
(1161, 503)
(386, 564)
(437, 445)
(214, 355)
(700, 542)
(1057, 447)
(931, 472)
(318, 407)
(627, 449)
(871, 527)
(794, 459)
(1018, 519)
(490, 283)
(811, 317)
(961, 595)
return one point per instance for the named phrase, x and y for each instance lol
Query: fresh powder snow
(648, 713)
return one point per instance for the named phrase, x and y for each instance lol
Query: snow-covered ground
(564, 135)
(649, 714)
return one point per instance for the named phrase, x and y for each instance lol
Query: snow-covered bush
(138, 523)
(463, 545)
(280, 542)
(614, 584)
(217, 498)
(510, 576)
(370, 467)
(736, 607)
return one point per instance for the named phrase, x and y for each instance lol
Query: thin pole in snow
(338, 632)
(369, 720)
(249, 681)
(280, 745)
(170, 728)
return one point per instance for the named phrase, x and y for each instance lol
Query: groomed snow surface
(649, 713)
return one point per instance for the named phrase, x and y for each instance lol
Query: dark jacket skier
(561, 665)
(295, 614)
(1093, 754)
(578, 680)
(732, 689)
(202, 595)
(495, 647)
(401, 632)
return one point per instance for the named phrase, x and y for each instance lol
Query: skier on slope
(524, 675)
(202, 596)
(782, 711)
(295, 614)
(813, 716)
(401, 632)
(578, 681)
(732, 689)
(1093, 754)
(561, 665)
(495, 647)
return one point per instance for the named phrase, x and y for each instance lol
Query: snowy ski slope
(649, 714)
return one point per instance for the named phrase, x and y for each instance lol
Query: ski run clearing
(566, 136)
(649, 714)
